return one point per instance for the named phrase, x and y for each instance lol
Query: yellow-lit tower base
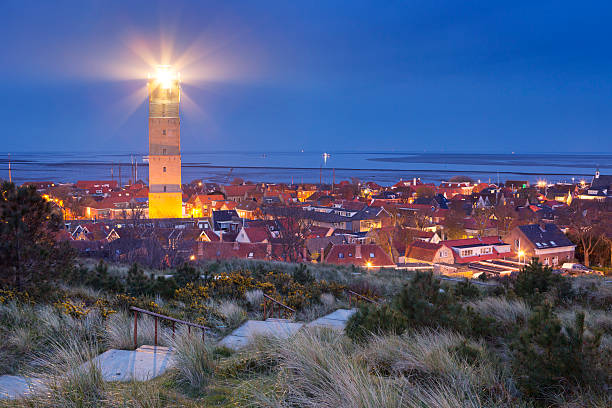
(165, 194)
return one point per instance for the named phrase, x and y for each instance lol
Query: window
(164, 189)
(555, 260)
(372, 255)
(164, 150)
(350, 254)
(164, 132)
(164, 169)
(250, 255)
(546, 261)
(340, 255)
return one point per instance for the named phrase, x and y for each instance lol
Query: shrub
(549, 357)
(536, 279)
(137, 283)
(185, 274)
(302, 275)
(422, 303)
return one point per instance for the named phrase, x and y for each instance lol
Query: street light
(521, 254)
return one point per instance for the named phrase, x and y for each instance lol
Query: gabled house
(422, 251)
(364, 255)
(478, 249)
(600, 188)
(253, 235)
(546, 242)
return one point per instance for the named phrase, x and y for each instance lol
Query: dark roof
(545, 236)
(602, 182)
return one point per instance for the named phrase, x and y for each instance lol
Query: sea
(384, 168)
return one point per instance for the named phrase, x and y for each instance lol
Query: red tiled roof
(257, 234)
(423, 251)
(234, 191)
(347, 254)
(230, 250)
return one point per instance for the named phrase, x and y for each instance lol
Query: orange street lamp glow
(192, 258)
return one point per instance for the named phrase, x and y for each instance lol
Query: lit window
(164, 169)
(372, 255)
(340, 255)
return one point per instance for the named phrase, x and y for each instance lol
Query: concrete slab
(143, 364)
(335, 320)
(15, 386)
(279, 328)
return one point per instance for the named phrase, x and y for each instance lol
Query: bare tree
(584, 225)
(506, 218)
(294, 228)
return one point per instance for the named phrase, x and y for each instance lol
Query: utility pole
(9, 169)
(334, 180)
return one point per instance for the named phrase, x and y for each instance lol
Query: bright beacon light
(165, 76)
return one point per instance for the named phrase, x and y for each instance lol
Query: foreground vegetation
(537, 340)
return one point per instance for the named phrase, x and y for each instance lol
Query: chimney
(358, 251)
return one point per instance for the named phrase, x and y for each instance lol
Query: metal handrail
(157, 316)
(274, 301)
(351, 293)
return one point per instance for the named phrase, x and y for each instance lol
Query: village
(457, 228)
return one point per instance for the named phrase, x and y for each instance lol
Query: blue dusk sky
(448, 76)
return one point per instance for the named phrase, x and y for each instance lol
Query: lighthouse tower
(165, 195)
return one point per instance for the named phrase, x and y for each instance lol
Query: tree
(482, 219)
(454, 224)
(294, 228)
(585, 227)
(425, 191)
(30, 257)
(506, 218)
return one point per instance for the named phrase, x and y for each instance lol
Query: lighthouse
(165, 194)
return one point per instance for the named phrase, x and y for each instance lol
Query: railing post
(135, 330)
(189, 329)
(155, 331)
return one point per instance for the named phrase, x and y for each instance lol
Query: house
(226, 221)
(600, 189)
(422, 251)
(364, 255)
(96, 187)
(236, 250)
(478, 249)
(546, 242)
(238, 193)
(248, 209)
(200, 205)
(253, 235)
